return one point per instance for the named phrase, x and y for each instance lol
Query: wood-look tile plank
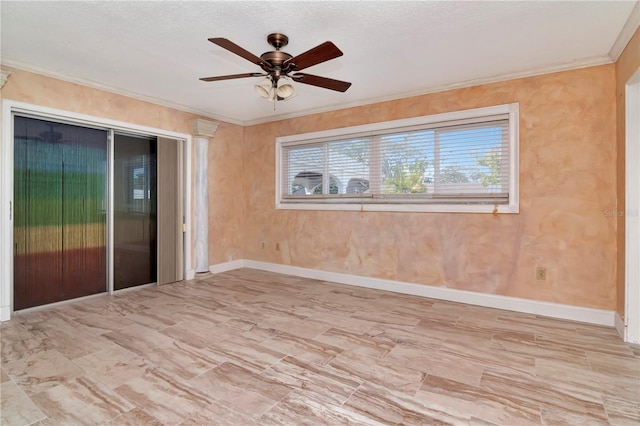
(498, 406)
(113, 366)
(538, 350)
(43, 370)
(552, 415)
(386, 317)
(22, 340)
(4, 377)
(74, 341)
(168, 399)
(341, 320)
(105, 306)
(197, 333)
(248, 354)
(16, 408)
(152, 318)
(182, 360)
(622, 388)
(435, 362)
(357, 343)
(386, 373)
(556, 372)
(320, 382)
(300, 410)
(409, 337)
(221, 413)
(139, 339)
(615, 365)
(296, 326)
(622, 411)
(559, 396)
(463, 353)
(464, 311)
(100, 324)
(312, 350)
(573, 340)
(440, 329)
(252, 331)
(81, 401)
(535, 323)
(386, 406)
(245, 390)
(135, 417)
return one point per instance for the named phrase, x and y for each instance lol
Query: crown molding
(628, 30)
(565, 66)
(47, 72)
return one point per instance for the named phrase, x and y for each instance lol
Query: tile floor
(255, 348)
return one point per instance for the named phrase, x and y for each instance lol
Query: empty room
(320, 213)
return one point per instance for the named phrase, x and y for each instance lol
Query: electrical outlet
(277, 246)
(541, 273)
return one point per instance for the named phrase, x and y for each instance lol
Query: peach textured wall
(567, 181)
(226, 194)
(626, 66)
(225, 149)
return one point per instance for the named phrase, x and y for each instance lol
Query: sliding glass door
(135, 205)
(63, 214)
(60, 203)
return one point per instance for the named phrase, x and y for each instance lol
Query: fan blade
(324, 82)
(318, 54)
(234, 48)
(229, 77)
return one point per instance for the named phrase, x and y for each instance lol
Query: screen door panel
(170, 211)
(60, 218)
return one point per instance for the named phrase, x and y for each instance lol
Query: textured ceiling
(158, 50)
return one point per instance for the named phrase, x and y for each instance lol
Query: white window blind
(464, 160)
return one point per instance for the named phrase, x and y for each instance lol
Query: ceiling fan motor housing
(275, 59)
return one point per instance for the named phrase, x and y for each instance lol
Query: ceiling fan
(280, 67)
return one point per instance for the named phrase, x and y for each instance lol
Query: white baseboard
(619, 324)
(5, 313)
(226, 266)
(547, 309)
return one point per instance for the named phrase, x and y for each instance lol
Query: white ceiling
(158, 50)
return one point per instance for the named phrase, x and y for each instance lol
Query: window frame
(513, 206)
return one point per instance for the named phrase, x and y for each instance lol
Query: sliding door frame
(9, 108)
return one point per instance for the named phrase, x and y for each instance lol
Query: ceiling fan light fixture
(293, 95)
(265, 88)
(285, 89)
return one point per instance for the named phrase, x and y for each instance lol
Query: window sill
(417, 208)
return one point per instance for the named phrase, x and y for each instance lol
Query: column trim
(4, 75)
(203, 131)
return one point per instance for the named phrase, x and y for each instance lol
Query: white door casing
(632, 210)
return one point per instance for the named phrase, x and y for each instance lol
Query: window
(140, 179)
(464, 161)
